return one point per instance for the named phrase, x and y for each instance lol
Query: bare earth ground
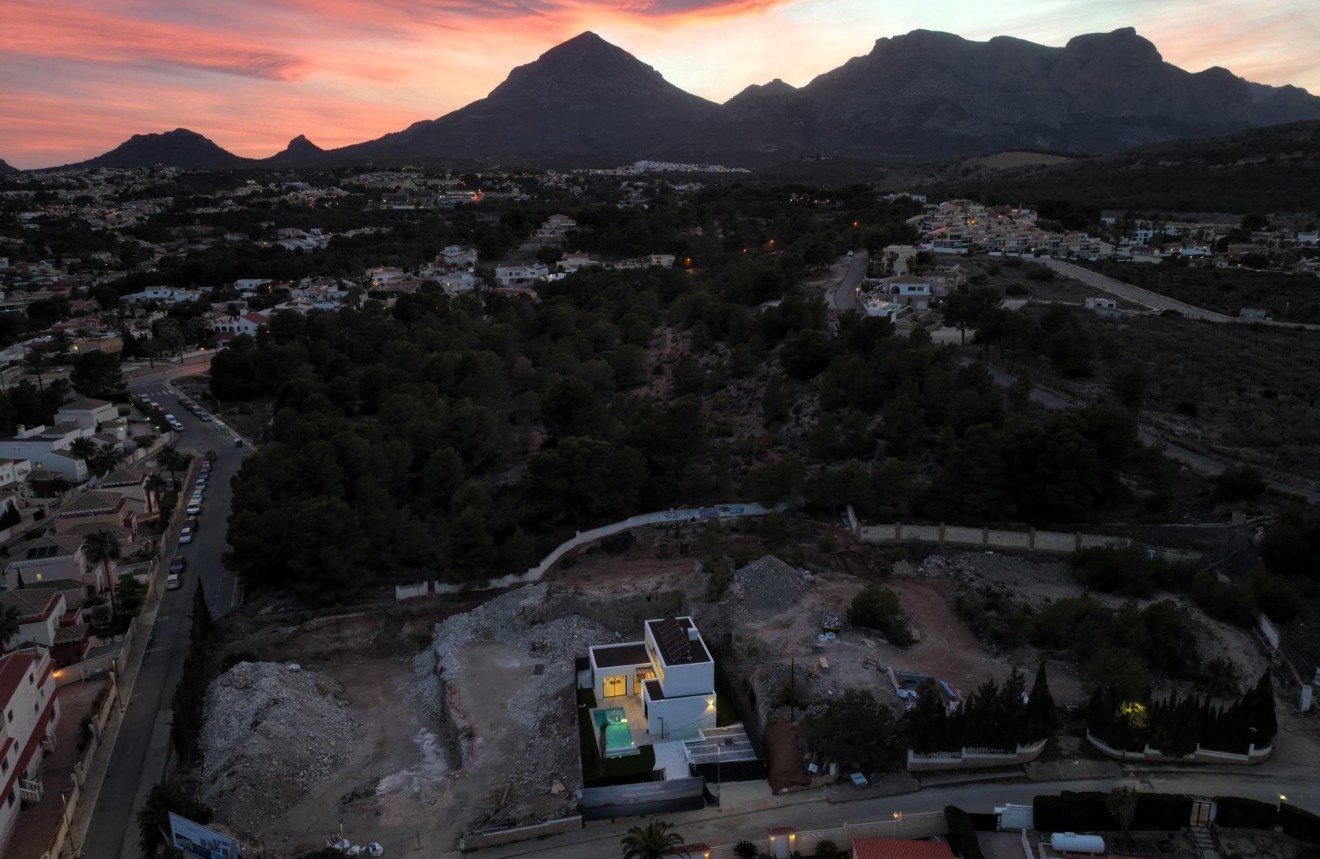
(398, 752)
(400, 778)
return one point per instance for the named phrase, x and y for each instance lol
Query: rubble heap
(523, 620)
(272, 732)
(764, 586)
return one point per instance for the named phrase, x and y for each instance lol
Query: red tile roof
(891, 848)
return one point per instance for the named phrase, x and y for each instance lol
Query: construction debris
(270, 735)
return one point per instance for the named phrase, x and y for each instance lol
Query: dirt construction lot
(470, 723)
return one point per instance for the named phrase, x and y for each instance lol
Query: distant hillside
(177, 148)
(1262, 170)
(6, 169)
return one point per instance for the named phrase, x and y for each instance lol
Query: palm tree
(654, 841)
(85, 449)
(155, 485)
(173, 461)
(36, 362)
(102, 549)
(9, 617)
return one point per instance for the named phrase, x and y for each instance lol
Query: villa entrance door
(616, 687)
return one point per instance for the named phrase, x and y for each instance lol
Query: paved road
(142, 750)
(1150, 299)
(813, 811)
(844, 296)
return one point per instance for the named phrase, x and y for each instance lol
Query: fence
(905, 826)
(582, 538)
(1200, 756)
(97, 666)
(988, 538)
(972, 758)
(78, 778)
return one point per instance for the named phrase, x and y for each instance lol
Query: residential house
(87, 413)
(520, 275)
(162, 294)
(99, 511)
(29, 701)
(554, 230)
(48, 448)
(458, 257)
(458, 282)
(131, 483)
(662, 687)
(251, 284)
(915, 292)
(13, 472)
(53, 557)
(248, 323)
(44, 618)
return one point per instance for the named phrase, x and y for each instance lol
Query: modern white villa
(659, 688)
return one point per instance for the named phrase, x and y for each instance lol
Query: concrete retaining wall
(583, 538)
(972, 758)
(478, 840)
(1060, 542)
(1200, 756)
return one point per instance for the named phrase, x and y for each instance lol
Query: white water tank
(1071, 842)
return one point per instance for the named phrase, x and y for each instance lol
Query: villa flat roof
(673, 652)
(654, 690)
(619, 655)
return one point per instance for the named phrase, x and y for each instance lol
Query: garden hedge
(1299, 823)
(962, 836)
(1237, 812)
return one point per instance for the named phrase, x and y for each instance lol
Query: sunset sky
(78, 77)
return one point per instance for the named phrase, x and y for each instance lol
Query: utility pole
(792, 690)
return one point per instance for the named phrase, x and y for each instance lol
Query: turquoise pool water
(618, 739)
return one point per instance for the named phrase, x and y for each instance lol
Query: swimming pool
(613, 723)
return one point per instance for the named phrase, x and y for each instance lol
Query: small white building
(250, 284)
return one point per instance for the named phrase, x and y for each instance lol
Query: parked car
(185, 535)
(194, 506)
(193, 522)
(209, 456)
(178, 564)
(173, 582)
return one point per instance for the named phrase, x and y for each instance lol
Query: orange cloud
(91, 36)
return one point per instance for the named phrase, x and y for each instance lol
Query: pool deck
(631, 706)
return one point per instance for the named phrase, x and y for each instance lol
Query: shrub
(962, 835)
(721, 574)
(1239, 483)
(878, 608)
(1016, 290)
(1241, 813)
(827, 849)
(1299, 823)
(1224, 600)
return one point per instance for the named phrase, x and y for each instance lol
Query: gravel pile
(522, 620)
(271, 734)
(764, 586)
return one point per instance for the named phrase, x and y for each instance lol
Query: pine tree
(1258, 707)
(1042, 718)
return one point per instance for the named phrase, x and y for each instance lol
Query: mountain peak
(6, 168)
(178, 148)
(299, 150)
(1118, 46)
